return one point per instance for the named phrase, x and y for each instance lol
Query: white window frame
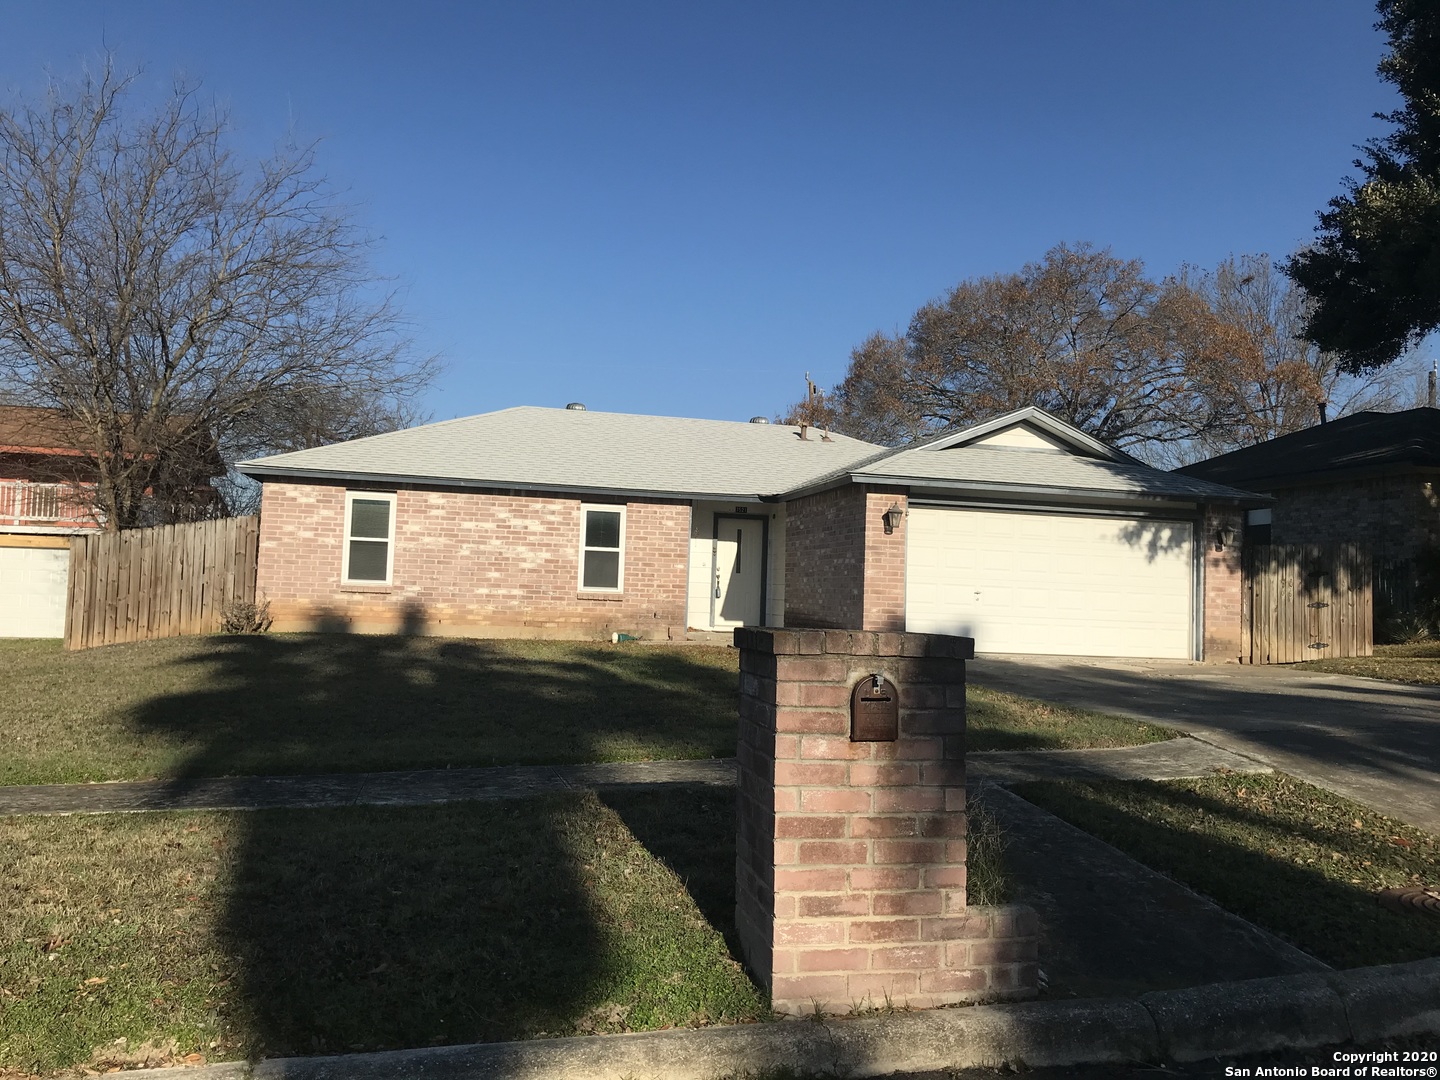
(368, 496)
(608, 508)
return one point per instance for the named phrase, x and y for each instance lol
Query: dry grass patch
(1417, 663)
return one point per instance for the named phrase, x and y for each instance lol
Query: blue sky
(682, 208)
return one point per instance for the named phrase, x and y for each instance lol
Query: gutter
(393, 480)
(1224, 496)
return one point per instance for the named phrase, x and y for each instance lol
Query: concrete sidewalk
(420, 787)
(428, 787)
(1175, 759)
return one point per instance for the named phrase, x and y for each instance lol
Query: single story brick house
(1371, 478)
(1022, 532)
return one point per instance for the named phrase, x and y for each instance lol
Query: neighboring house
(1369, 478)
(44, 500)
(1022, 532)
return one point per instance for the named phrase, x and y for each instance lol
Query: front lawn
(1418, 663)
(153, 938)
(278, 704)
(322, 931)
(1288, 856)
(215, 706)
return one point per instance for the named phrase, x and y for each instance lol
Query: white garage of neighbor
(32, 586)
(1045, 582)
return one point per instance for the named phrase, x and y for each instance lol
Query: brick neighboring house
(1022, 532)
(1371, 478)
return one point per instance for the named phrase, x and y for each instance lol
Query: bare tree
(1275, 381)
(1171, 370)
(1083, 334)
(183, 307)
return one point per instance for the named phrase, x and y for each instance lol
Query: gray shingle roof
(561, 449)
(1012, 468)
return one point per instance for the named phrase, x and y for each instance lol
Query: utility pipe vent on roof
(576, 406)
(759, 419)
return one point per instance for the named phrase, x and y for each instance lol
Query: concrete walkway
(425, 787)
(1372, 741)
(1171, 760)
(1112, 927)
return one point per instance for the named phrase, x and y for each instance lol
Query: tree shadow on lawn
(691, 830)
(375, 928)
(354, 703)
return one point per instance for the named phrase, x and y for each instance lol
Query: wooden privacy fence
(162, 582)
(1307, 602)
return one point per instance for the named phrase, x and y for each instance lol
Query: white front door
(739, 559)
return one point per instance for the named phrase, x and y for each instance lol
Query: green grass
(282, 704)
(315, 931)
(319, 931)
(1290, 857)
(210, 706)
(1417, 663)
(995, 720)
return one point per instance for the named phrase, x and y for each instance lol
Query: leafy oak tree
(179, 307)
(1374, 269)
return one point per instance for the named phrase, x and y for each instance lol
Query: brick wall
(884, 605)
(496, 564)
(850, 857)
(1223, 586)
(841, 568)
(1394, 516)
(825, 558)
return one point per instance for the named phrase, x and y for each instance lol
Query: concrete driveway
(1372, 741)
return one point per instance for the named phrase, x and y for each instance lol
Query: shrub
(245, 617)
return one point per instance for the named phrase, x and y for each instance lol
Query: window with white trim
(369, 538)
(602, 545)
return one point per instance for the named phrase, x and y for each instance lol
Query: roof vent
(576, 406)
(759, 419)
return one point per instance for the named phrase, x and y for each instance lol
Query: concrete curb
(1196, 1023)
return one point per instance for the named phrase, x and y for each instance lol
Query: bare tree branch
(188, 309)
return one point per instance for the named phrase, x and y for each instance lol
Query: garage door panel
(1051, 583)
(32, 591)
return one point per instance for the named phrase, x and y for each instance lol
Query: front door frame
(764, 520)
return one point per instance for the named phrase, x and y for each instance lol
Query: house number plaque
(874, 710)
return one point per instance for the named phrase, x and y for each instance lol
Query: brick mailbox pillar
(850, 862)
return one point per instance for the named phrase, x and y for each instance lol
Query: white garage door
(1051, 583)
(32, 591)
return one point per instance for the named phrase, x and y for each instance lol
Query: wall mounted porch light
(892, 517)
(1224, 537)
